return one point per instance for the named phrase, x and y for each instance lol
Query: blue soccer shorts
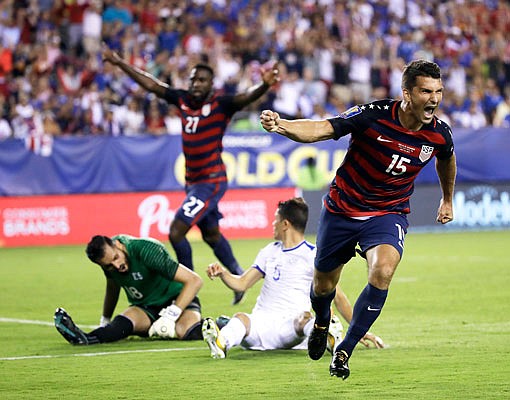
(338, 236)
(200, 207)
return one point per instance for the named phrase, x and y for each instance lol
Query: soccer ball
(164, 328)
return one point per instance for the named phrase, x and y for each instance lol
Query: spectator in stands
(491, 98)
(111, 124)
(91, 28)
(173, 123)
(40, 35)
(154, 120)
(133, 118)
(473, 117)
(5, 128)
(118, 11)
(502, 114)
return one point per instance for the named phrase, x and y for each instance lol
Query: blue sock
(183, 253)
(366, 310)
(321, 305)
(223, 252)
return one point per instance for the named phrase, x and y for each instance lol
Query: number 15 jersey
(383, 159)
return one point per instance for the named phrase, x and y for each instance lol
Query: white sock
(233, 333)
(307, 329)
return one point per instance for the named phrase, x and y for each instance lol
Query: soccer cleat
(222, 320)
(238, 296)
(68, 329)
(339, 365)
(317, 342)
(335, 333)
(213, 338)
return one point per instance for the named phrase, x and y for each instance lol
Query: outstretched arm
(446, 171)
(238, 283)
(111, 297)
(344, 307)
(143, 78)
(269, 78)
(299, 130)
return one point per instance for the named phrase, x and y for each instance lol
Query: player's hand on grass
(370, 338)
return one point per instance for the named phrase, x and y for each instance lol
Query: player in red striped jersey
(367, 204)
(205, 115)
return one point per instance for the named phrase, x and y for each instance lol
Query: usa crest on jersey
(206, 109)
(425, 153)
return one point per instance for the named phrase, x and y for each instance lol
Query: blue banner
(103, 164)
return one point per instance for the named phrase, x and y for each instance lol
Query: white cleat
(335, 333)
(212, 337)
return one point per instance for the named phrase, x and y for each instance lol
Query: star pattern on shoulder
(371, 106)
(386, 107)
(363, 107)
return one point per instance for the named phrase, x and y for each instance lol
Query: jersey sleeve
(349, 121)
(447, 150)
(260, 261)
(228, 106)
(172, 96)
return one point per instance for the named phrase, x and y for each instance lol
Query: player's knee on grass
(301, 321)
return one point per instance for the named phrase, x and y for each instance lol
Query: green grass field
(446, 323)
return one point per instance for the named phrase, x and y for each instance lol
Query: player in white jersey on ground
(281, 317)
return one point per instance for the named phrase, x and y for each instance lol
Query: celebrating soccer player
(367, 203)
(204, 115)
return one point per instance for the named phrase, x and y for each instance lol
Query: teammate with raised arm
(368, 201)
(205, 115)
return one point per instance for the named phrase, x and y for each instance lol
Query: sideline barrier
(105, 164)
(74, 219)
(475, 207)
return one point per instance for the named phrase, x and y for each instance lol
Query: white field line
(99, 353)
(35, 322)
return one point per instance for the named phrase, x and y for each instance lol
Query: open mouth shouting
(429, 111)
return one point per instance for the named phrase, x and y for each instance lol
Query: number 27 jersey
(203, 127)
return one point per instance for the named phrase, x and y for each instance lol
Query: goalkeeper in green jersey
(162, 293)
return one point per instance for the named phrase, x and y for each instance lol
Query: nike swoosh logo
(381, 139)
(369, 308)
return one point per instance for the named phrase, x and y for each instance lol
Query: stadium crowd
(332, 53)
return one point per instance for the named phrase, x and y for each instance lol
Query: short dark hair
(295, 211)
(418, 68)
(95, 248)
(207, 67)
